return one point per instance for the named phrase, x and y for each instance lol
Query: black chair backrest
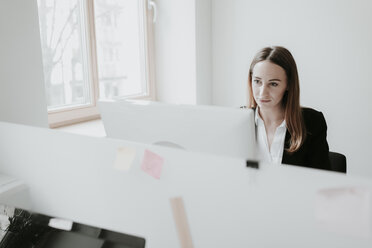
(338, 162)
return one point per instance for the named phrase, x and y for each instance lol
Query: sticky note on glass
(345, 210)
(152, 164)
(124, 158)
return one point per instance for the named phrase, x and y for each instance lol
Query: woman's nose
(263, 90)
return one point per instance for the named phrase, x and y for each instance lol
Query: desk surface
(228, 205)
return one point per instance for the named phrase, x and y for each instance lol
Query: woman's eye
(274, 84)
(256, 81)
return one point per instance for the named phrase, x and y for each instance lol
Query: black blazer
(314, 151)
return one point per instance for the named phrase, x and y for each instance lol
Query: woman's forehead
(268, 69)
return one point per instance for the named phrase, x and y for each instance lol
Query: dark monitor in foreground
(25, 229)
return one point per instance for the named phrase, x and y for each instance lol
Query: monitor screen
(21, 228)
(208, 129)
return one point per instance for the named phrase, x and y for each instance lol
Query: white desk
(227, 204)
(13, 191)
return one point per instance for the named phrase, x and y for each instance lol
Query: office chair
(337, 161)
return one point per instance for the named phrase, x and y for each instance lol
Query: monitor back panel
(210, 129)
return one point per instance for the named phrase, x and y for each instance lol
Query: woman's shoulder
(314, 119)
(311, 113)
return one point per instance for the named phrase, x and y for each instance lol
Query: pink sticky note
(152, 164)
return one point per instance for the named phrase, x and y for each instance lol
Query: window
(93, 49)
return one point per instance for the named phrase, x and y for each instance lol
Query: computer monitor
(208, 129)
(28, 229)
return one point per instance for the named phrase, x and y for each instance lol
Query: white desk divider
(73, 177)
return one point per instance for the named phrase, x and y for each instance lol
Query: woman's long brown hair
(291, 99)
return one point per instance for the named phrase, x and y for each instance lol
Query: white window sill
(90, 128)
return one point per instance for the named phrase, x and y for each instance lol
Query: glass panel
(64, 53)
(119, 48)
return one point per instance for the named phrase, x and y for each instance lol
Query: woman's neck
(272, 116)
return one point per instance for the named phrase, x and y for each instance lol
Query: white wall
(175, 55)
(331, 42)
(203, 26)
(22, 94)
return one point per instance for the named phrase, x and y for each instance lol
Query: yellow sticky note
(124, 158)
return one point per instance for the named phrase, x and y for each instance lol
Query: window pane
(64, 53)
(119, 48)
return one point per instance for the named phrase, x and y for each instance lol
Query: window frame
(76, 114)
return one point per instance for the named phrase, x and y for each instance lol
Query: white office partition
(22, 91)
(227, 205)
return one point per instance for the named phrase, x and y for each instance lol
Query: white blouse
(275, 154)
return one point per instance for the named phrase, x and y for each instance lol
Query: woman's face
(269, 83)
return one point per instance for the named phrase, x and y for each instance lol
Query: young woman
(286, 132)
